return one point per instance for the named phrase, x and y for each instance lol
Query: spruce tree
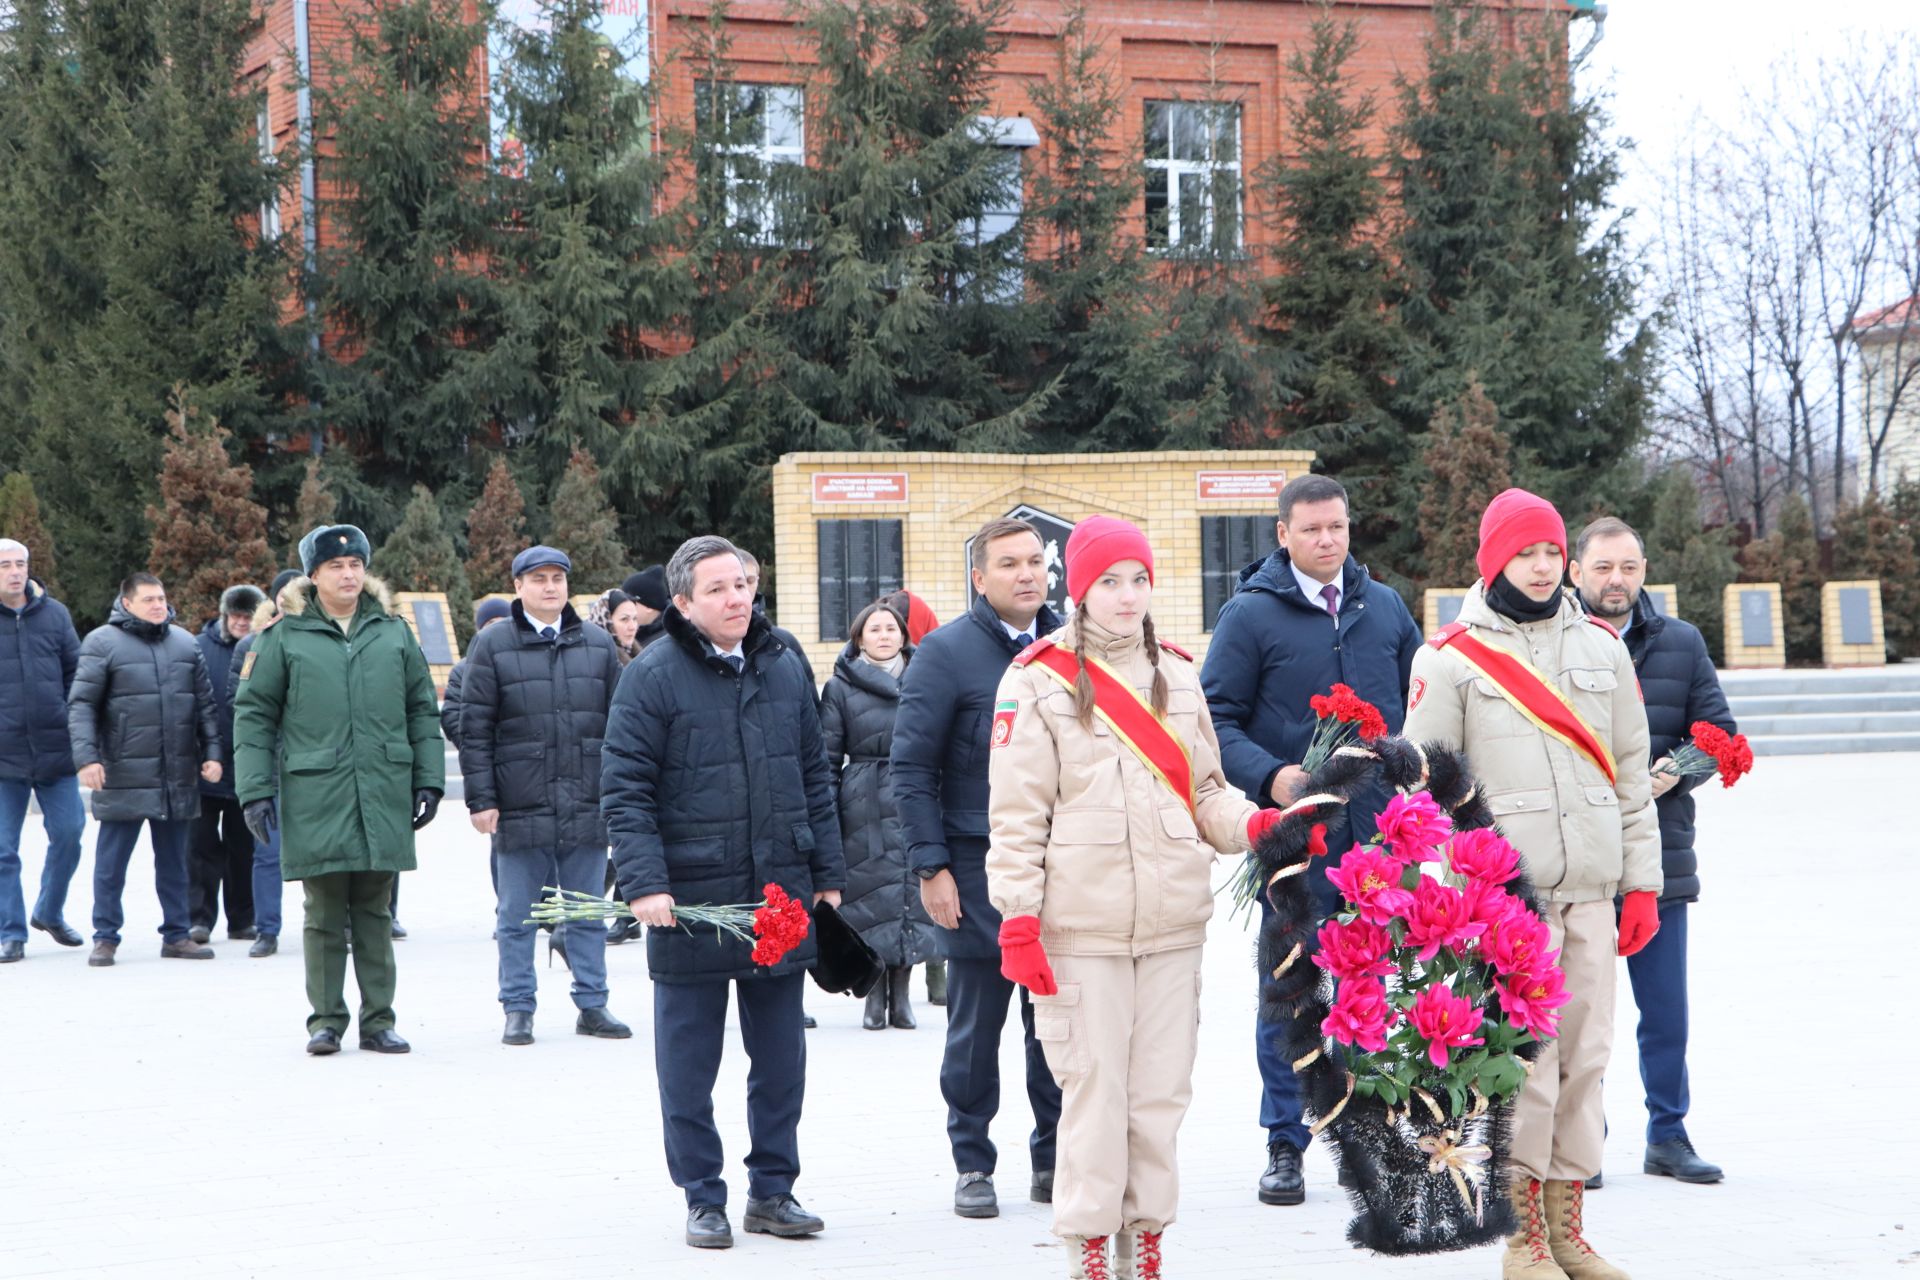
(315, 505)
(496, 531)
(589, 285)
(1790, 556)
(407, 282)
(208, 532)
(1328, 291)
(1870, 542)
(584, 526)
(419, 555)
(20, 520)
(1106, 355)
(1700, 562)
(1466, 465)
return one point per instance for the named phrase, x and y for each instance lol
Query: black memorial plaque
(1756, 619)
(430, 624)
(1856, 615)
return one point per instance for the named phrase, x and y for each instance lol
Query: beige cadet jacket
(1584, 840)
(1084, 835)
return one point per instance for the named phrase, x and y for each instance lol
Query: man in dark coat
(715, 785)
(857, 711)
(222, 849)
(266, 855)
(1680, 686)
(1304, 619)
(347, 762)
(533, 716)
(941, 742)
(38, 653)
(145, 733)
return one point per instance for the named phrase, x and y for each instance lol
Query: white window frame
(1203, 172)
(741, 202)
(270, 207)
(1012, 136)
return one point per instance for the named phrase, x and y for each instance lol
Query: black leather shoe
(186, 949)
(556, 946)
(387, 1041)
(780, 1215)
(59, 932)
(1041, 1192)
(1677, 1159)
(808, 1021)
(874, 1016)
(598, 1022)
(625, 929)
(1594, 1183)
(399, 931)
(973, 1196)
(1283, 1182)
(324, 1042)
(707, 1227)
(12, 952)
(519, 1027)
(264, 945)
(247, 934)
(200, 934)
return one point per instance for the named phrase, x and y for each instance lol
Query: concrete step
(1904, 678)
(1824, 723)
(1795, 704)
(1833, 744)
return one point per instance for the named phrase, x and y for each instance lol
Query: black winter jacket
(715, 785)
(38, 653)
(883, 895)
(1680, 686)
(142, 706)
(532, 717)
(217, 650)
(450, 704)
(941, 743)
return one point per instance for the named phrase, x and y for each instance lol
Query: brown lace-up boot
(1529, 1254)
(1565, 1201)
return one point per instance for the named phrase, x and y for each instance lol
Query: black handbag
(845, 964)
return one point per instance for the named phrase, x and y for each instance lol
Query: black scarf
(1512, 603)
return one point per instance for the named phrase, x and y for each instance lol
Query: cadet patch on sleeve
(1003, 717)
(1418, 688)
(246, 663)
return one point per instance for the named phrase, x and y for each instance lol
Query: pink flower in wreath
(1520, 943)
(1483, 854)
(1440, 917)
(1413, 826)
(1447, 1021)
(1371, 882)
(1356, 950)
(1489, 904)
(1532, 1001)
(1359, 1015)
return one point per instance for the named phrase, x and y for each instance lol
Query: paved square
(160, 1118)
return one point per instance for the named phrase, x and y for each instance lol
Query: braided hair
(1083, 683)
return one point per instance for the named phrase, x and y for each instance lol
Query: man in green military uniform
(341, 690)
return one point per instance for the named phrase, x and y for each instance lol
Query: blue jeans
(1658, 973)
(111, 853)
(522, 876)
(65, 819)
(267, 887)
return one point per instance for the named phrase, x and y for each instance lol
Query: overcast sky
(1666, 60)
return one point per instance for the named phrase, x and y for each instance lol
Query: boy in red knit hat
(1544, 701)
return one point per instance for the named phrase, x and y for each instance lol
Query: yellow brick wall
(950, 495)
(1834, 651)
(1739, 655)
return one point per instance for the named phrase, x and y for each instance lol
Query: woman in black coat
(883, 894)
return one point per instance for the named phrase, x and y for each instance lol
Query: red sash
(1531, 693)
(1128, 714)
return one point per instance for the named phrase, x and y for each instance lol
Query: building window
(860, 561)
(1229, 544)
(1193, 175)
(270, 207)
(1001, 215)
(758, 127)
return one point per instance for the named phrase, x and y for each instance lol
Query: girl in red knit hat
(1107, 807)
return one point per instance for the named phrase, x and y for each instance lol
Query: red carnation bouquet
(1712, 750)
(1341, 715)
(773, 926)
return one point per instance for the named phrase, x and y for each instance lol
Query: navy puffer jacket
(533, 714)
(38, 654)
(142, 706)
(1680, 686)
(715, 784)
(217, 649)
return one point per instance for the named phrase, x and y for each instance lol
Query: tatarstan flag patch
(1003, 717)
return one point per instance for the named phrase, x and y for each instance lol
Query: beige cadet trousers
(1120, 1037)
(1559, 1125)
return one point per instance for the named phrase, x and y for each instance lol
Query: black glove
(261, 819)
(426, 803)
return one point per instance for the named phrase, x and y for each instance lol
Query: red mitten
(1639, 921)
(1022, 958)
(1260, 823)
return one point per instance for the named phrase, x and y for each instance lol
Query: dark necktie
(735, 661)
(1331, 594)
(1022, 641)
(547, 634)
